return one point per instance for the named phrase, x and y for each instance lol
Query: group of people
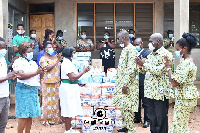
(142, 75)
(159, 83)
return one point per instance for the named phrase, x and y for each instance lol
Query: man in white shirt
(4, 86)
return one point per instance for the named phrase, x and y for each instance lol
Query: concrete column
(181, 20)
(159, 16)
(3, 18)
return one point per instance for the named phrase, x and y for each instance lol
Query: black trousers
(108, 63)
(158, 115)
(144, 105)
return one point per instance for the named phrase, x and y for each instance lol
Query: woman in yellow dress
(182, 80)
(50, 86)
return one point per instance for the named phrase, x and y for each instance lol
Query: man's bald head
(157, 37)
(123, 34)
(138, 40)
(123, 38)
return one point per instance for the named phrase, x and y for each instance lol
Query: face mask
(171, 35)
(151, 47)
(33, 36)
(131, 35)
(83, 36)
(121, 45)
(29, 56)
(106, 37)
(20, 32)
(178, 54)
(138, 48)
(60, 38)
(3, 52)
(74, 57)
(50, 51)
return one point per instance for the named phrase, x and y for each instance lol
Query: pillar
(3, 18)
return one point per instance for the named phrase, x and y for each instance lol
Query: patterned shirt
(156, 83)
(127, 75)
(185, 75)
(166, 43)
(81, 44)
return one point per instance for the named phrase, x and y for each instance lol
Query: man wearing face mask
(131, 36)
(156, 84)
(60, 40)
(107, 52)
(35, 44)
(144, 53)
(19, 38)
(169, 42)
(126, 90)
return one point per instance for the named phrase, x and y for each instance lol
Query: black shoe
(123, 130)
(146, 124)
(137, 120)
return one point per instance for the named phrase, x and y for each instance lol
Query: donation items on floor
(99, 114)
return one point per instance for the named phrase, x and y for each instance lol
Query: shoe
(146, 124)
(137, 121)
(123, 130)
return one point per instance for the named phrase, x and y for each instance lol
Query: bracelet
(169, 69)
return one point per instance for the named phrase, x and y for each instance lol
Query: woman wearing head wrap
(182, 80)
(50, 86)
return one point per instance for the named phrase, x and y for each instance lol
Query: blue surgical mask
(83, 36)
(33, 36)
(3, 52)
(106, 37)
(20, 32)
(50, 51)
(60, 38)
(151, 47)
(178, 54)
(131, 35)
(29, 56)
(171, 35)
(138, 48)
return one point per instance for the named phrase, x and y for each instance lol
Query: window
(86, 20)
(96, 18)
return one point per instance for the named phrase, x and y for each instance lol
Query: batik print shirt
(185, 75)
(128, 76)
(156, 83)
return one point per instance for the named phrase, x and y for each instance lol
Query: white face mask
(151, 47)
(121, 45)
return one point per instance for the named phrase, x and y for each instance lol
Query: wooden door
(40, 23)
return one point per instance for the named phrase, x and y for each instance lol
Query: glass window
(104, 20)
(168, 17)
(124, 17)
(144, 22)
(86, 19)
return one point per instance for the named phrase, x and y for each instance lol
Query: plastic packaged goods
(86, 91)
(118, 122)
(103, 100)
(73, 122)
(111, 112)
(86, 101)
(112, 74)
(79, 122)
(117, 112)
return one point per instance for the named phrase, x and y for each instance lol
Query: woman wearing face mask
(60, 40)
(49, 36)
(26, 91)
(107, 52)
(69, 90)
(49, 85)
(182, 80)
(84, 44)
(35, 44)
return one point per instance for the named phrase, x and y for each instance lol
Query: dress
(69, 93)
(81, 44)
(186, 95)
(127, 75)
(26, 91)
(50, 92)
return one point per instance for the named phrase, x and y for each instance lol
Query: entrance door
(40, 23)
